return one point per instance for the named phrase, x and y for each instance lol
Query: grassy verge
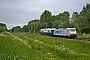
(15, 48)
(84, 35)
(36, 47)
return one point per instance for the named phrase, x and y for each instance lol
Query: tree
(46, 19)
(34, 26)
(64, 18)
(85, 17)
(76, 21)
(75, 15)
(25, 28)
(16, 29)
(3, 27)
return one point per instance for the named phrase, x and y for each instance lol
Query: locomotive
(61, 32)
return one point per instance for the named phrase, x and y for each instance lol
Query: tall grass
(12, 48)
(36, 47)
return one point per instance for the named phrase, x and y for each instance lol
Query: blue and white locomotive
(62, 32)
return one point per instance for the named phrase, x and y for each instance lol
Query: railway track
(75, 38)
(83, 39)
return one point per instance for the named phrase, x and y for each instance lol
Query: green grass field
(21, 46)
(84, 35)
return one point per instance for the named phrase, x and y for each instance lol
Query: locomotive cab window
(72, 30)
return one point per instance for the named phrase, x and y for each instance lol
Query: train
(60, 32)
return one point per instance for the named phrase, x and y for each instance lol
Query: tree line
(80, 21)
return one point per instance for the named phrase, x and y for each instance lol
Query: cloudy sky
(20, 12)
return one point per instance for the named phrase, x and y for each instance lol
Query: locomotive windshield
(73, 30)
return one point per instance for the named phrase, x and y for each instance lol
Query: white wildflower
(49, 53)
(71, 52)
(36, 41)
(2, 35)
(23, 41)
(40, 42)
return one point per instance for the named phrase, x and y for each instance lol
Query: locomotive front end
(73, 32)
